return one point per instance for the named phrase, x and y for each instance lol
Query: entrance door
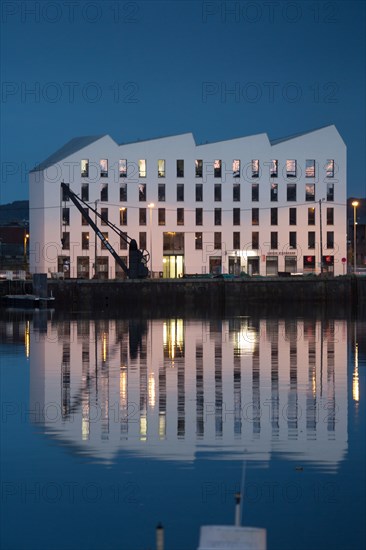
(253, 265)
(215, 265)
(173, 266)
(234, 265)
(83, 267)
(290, 264)
(272, 265)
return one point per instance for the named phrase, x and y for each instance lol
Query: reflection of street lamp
(26, 237)
(354, 204)
(151, 206)
(95, 242)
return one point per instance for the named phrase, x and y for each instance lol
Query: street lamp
(354, 204)
(26, 237)
(151, 206)
(95, 241)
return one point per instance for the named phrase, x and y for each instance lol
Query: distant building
(243, 205)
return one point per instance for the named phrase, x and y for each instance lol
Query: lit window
(292, 216)
(180, 168)
(217, 192)
(123, 216)
(198, 241)
(291, 168)
(104, 192)
(85, 168)
(199, 168)
(273, 169)
(274, 192)
(142, 216)
(291, 191)
(236, 192)
(142, 192)
(310, 192)
(122, 165)
(123, 192)
(103, 165)
(255, 168)
(236, 168)
(274, 216)
(236, 216)
(310, 168)
(142, 168)
(180, 192)
(255, 216)
(199, 216)
(199, 192)
(217, 168)
(330, 168)
(217, 216)
(161, 192)
(161, 168)
(311, 216)
(255, 192)
(161, 216)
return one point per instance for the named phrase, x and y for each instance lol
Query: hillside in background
(16, 212)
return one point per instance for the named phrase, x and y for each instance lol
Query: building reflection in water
(169, 389)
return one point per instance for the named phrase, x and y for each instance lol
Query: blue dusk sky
(138, 70)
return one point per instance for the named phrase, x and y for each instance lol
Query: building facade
(243, 205)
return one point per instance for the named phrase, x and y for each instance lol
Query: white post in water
(159, 537)
(237, 509)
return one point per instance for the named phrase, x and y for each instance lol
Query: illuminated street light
(354, 204)
(151, 206)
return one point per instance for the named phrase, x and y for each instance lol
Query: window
(311, 216)
(310, 192)
(255, 240)
(123, 239)
(274, 192)
(105, 235)
(330, 216)
(273, 169)
(161, 168)
(309, 263)
(310, 168)
(123, 192)
(142, 192)
(65, 197)
(274, 216)
(292, 239)
(142, 168)
(217, 192)
(83, 220)
(292, 216)
(161, 216)
(123, 216)
(199, 216)
(103, 165)
(274, 240)
(255, 168)
(142, 216)
(255, 192)
(291, 191)
(85, 192)
(255, 216)
(217, 240)
(65, 240)
(330, 192)
(199, 192)
(85, 241)
(217, 169)
(180, 216)
(236, 192)
(236, 168)
(236, 240)
(104, 192)
(122, 167)
(330, 239)
(311, 239)
(198, 168)
(330, 168)
(142, 240)
(198, 241)
(104, 215)
(217, 216)
(180, 168)
(236, 216)
(291, 168)
(161, 192)
(84, 168)
(173, 242)
(180, 192)
(66, 216)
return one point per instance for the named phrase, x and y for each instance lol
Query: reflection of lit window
(161, 168)
(255, 168)
(104, 346)
(291, 168)
(310, 192)
(122, 168)
(142, 168)
(84, 168)
(27, 339)
(151, 390)
(355, 380)
(123, 387)
(217, 168)
(310, 168)
(173, 338)
(330, 168)
(245, 339)
(142, 192)
(236, 168)
(103, 164)
(198, 168)
(273, 168)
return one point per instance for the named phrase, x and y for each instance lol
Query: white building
(247, 204)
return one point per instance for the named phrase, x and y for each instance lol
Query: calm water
(110, 426)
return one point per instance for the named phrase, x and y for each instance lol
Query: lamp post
(26, 237)
(151, 206)
(321, 235)
(354, 204)
(95, 242)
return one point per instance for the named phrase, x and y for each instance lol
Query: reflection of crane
(137, 258)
